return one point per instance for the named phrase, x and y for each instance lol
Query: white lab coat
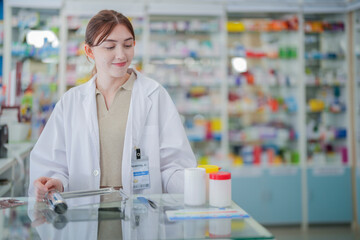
(68, 148)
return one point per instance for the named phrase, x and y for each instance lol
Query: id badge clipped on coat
(140, 169)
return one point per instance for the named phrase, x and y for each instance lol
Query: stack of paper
(205, 213)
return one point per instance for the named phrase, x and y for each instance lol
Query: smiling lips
(120, 64)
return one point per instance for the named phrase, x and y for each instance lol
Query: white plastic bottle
(194, 186)
(220, 189)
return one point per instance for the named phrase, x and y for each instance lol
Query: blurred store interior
(267, 89)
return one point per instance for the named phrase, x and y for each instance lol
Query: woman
(96, 129)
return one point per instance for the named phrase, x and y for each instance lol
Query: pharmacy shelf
(327, 103)
(184, 56)
(16, 152)
(262, 98)
(5, 189)
(26, 67)
(6, 164)
(356, 91)
(6, 171)
(329, 161)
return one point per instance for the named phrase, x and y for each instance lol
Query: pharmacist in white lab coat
(78, 150)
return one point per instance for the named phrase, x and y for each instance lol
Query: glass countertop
(109, 216)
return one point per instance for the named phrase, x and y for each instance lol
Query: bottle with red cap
(220, 189)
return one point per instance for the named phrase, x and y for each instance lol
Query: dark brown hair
(102, 24)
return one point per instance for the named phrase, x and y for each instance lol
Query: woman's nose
(120, 52)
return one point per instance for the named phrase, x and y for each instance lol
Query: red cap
(220, 176)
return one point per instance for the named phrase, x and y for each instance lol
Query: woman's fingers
(40, 187)
(54, 184)
(40, 183)
(44, 184)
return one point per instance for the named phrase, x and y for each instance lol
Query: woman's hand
(44, 184)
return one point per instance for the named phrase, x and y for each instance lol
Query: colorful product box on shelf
(316, 55)
(193, 48)
(25, 50)
(26, 19)
(316, 105)
(264, 155)
(320, 26)
(263, 25)
(334, 156)
(202, 129)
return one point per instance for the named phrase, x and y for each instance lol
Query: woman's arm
(48, 158)
(175, 150)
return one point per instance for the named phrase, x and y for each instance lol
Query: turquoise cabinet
(358, 193)
(247, 192)
(273, 197)
(329, 194)
(283, 205)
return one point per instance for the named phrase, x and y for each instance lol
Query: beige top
(112, 126)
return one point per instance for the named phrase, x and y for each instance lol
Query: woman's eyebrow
(109, 40)
(113, 40)
(130, 38)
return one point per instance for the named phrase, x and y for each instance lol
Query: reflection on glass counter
(111, 216)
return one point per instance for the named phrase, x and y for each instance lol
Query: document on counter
(205, 213)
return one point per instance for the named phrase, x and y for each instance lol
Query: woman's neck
(108, 87)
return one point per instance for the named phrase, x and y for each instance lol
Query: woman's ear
(88, 51)
(134, 43)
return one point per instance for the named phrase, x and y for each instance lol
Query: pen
(152, 204)
(147, 201)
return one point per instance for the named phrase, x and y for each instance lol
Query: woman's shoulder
(149, 84)
(82, 89)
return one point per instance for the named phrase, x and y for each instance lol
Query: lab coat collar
(140, 104)
(148, 86)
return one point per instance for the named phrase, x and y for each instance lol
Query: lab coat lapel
(90, 109)
(139, 109)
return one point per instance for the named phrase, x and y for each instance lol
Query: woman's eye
(109, 48)
(128, 46)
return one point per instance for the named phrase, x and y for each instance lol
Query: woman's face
(114, 55)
